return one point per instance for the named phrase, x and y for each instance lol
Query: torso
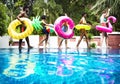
(83, 21)
(103, 19)
(43, 23)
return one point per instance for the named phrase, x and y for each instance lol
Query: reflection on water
(59, 66)
(64, 67)
(19, 66)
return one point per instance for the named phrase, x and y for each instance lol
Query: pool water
(55, 66)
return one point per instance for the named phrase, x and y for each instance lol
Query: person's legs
(66, 43)
(20, 40)
(86, 39)
(81, 36)
(46, 40)
(28, 43)
(20, 43)
(42, 41)
(22, 29)
(102, 38)
(106, 39)
(61, 40)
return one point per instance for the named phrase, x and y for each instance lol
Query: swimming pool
(54, 66)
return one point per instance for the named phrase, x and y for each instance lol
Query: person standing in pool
(44, 30)
(103, 22)
(64, 28)
(83, 32)
(23, 13)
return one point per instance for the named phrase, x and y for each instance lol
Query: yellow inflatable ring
(82, 26)
(12, 28)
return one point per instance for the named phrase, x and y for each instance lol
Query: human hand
(22, 23)
(109, 9)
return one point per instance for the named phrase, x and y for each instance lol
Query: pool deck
(113, 41)
(52, 42)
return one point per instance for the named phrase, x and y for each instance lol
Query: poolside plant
(91, 44)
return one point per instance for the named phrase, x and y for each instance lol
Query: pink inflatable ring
(109, 28)
(59, 24)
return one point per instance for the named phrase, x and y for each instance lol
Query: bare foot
(30, 47)
(67, 47)
(20, 47)
(109, 47)
(77, 47)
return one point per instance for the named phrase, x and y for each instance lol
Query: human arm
(81, 21)
(22, 14)
(108, 13)
(44, 22)
(19, 16)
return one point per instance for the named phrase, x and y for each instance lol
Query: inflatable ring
(109, 28)
(59, 24)
(104, 29)
(12, 28)
(50, 28)
(82, 26)
(36, 23)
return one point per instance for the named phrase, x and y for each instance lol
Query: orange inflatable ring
(12, 28)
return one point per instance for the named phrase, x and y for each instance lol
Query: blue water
(54, 66)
